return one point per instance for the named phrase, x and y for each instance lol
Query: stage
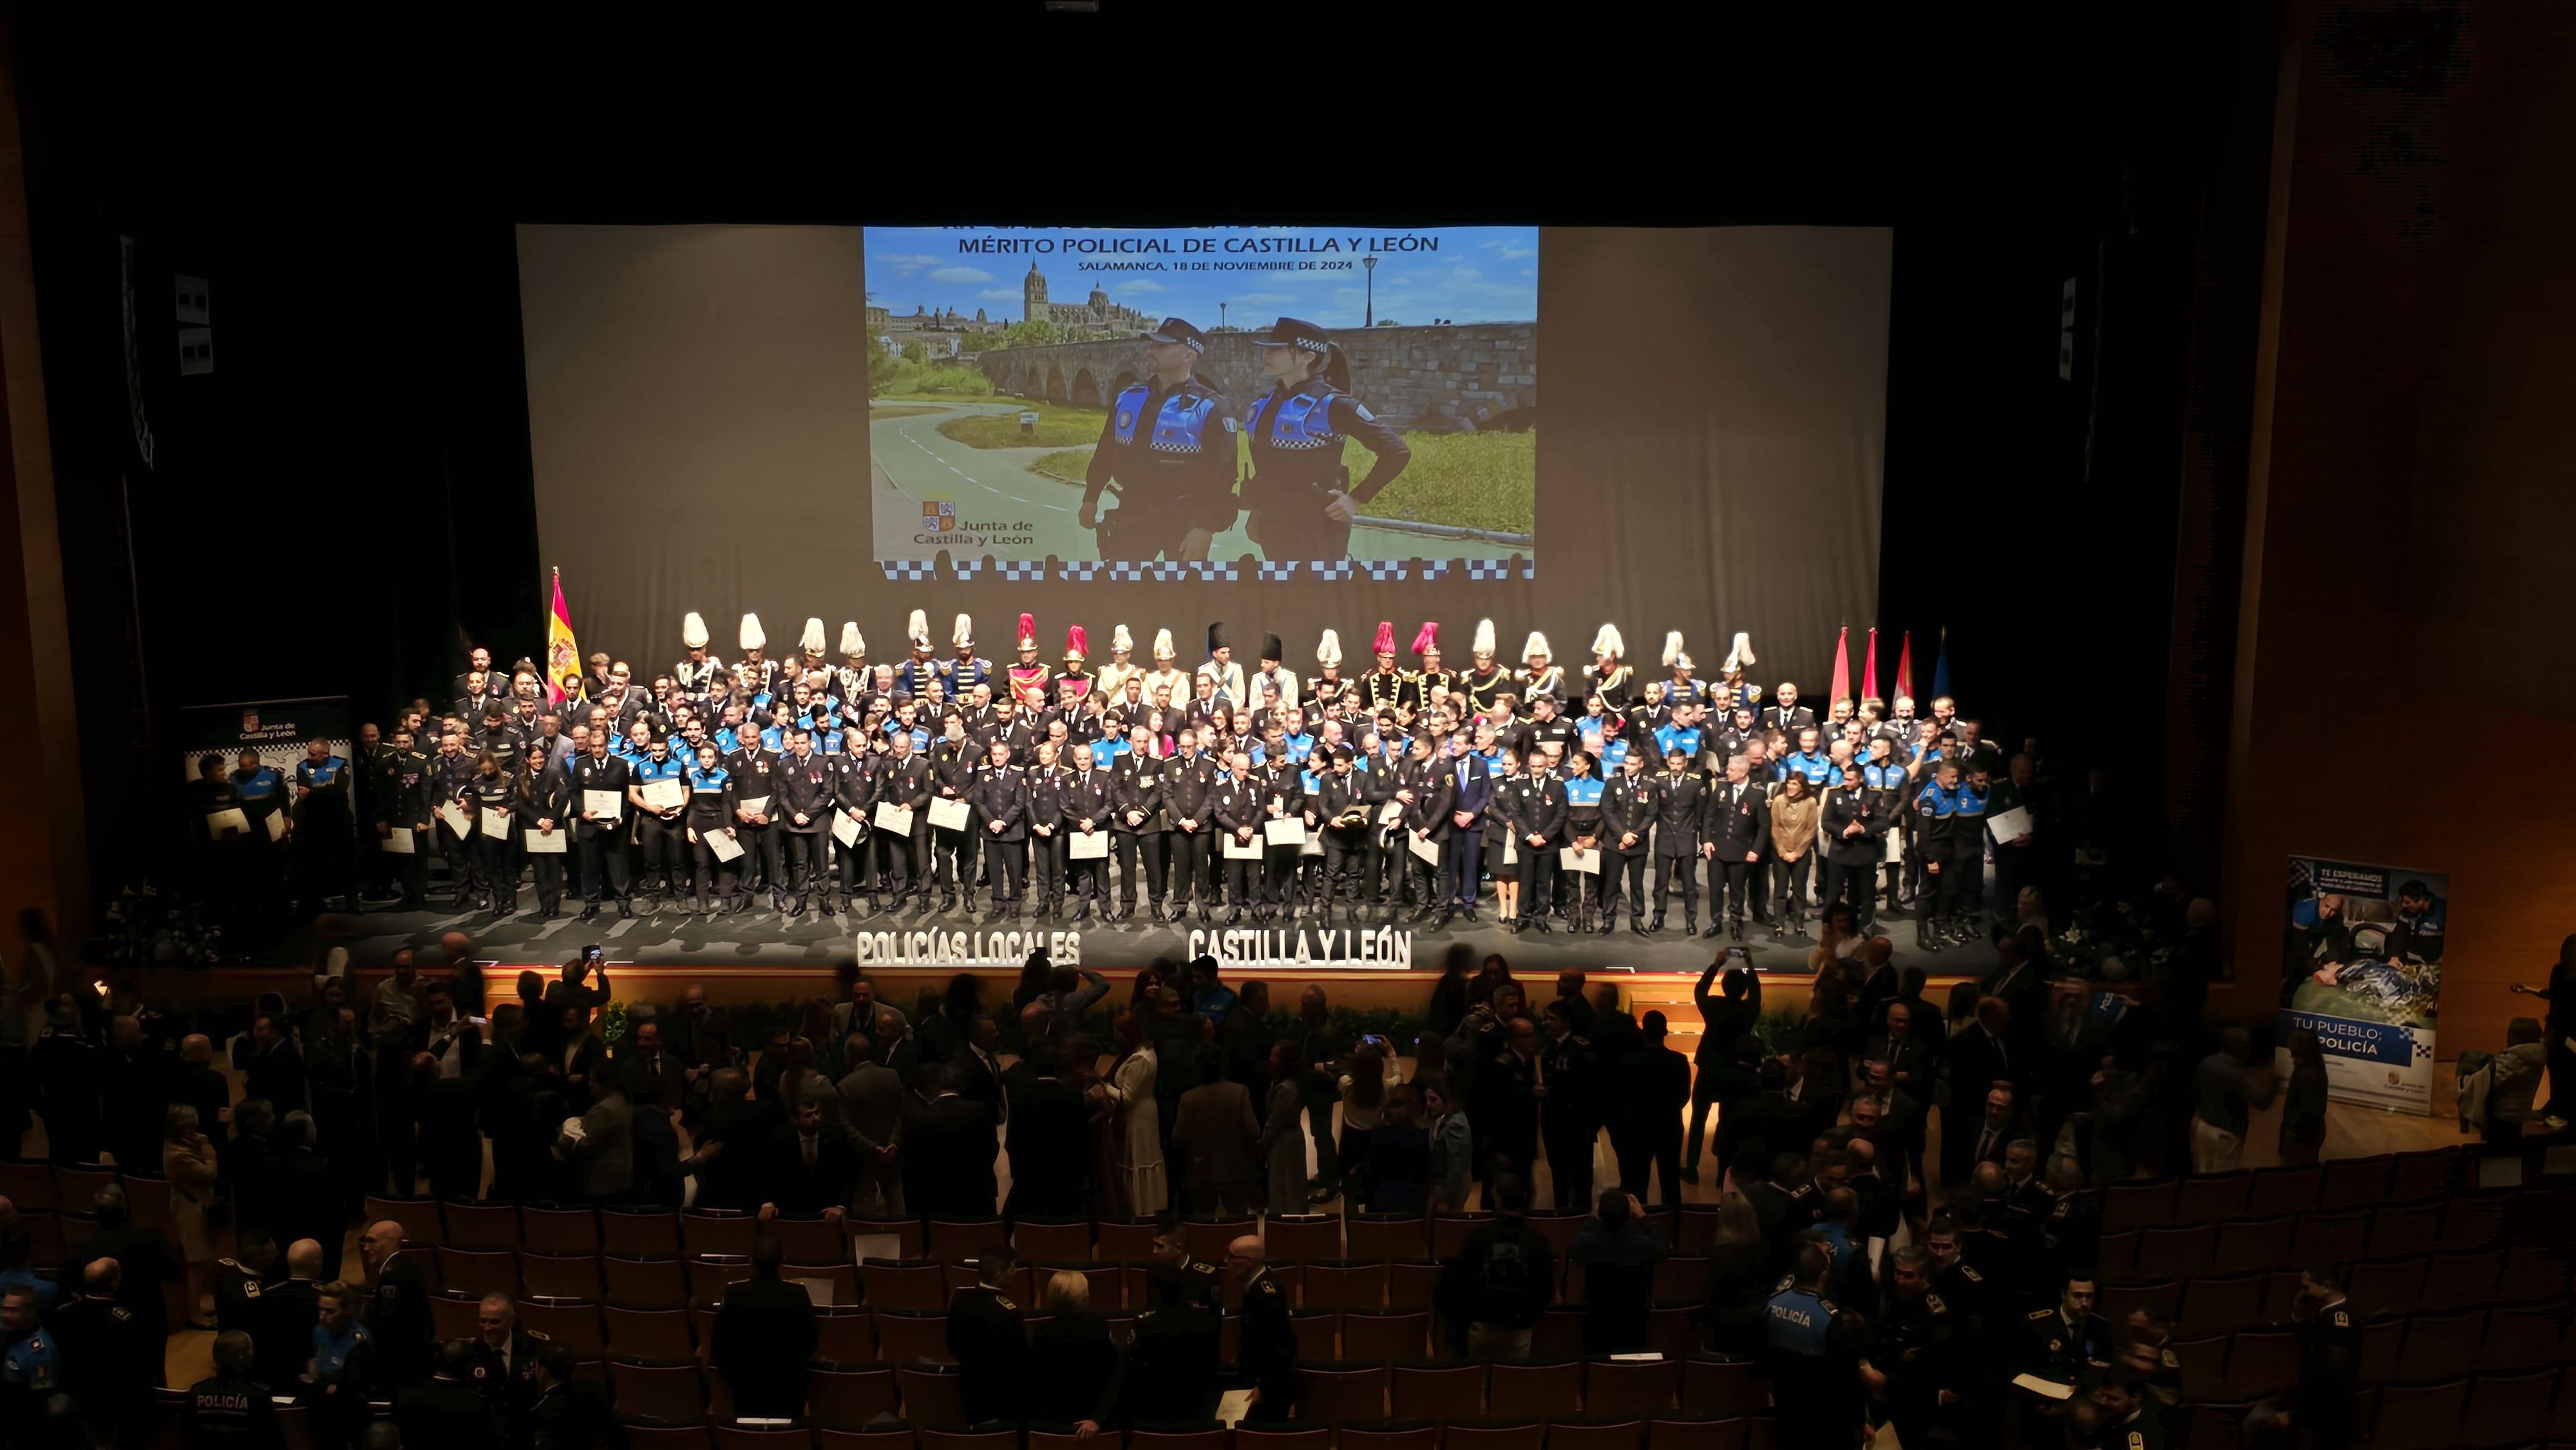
(915, 939)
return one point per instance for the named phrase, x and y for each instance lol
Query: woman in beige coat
(188, 1161)
(1793, 843)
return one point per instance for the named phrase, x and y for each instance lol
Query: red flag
(1904, 669)
(1869, 669)
(1842, 667)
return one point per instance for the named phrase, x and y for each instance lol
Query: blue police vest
(1299, 746)
(1798, 1322)
(1669, 736)
(709, 782)
(1583, 790)
(318, 776)
(1180, 425)
(331, 1352)
(667, 768)
(1890, 776)
(1304, 421)
(728, 739)
(1972, 801)
(773, 738)
(1818, 769)
(1614, 755)
(259, 785)
(1493, 765)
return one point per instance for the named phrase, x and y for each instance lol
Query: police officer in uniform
(1911, 1367)
(1300, 496)
(1267, 1354)
(1680, 809)
(1168, 444)
(1237, 805)
(1049, 783)
(2069, 1345)
(546, 810)
(986, 1339)
(802, 810)
(904, 781)
(1948, 840)
(1807, 1357)
(1627, 832)
(1851, 826)
(1189, 782)
(1339, 811)
(1140, 829)
(502, 1362)
(1089, 805)
(1000, 796)
(228, 1410)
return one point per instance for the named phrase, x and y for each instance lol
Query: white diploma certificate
(1424, 847)
(725, 847)
(231, 818)
(948, 813)
(1575, 858)
(844, 830)
(894, 818)
(547, 843)
(454, 818)
(398, 841)
(1241, 850)
(608, 805)
(1284, 831)
(1092, 847)
(663, 795)
(496, 824)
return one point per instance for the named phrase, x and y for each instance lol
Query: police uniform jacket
(804, 787)
(1681, 800)
(1048, 791)
(1738, 818)
(1845, 805)
(1001, 793)
(1336, 793)
(1434, 783)
(1267, 1351)
(1238, 803)
(1136, 782)
(907, 784)
(956, 764)
(1628, 804)
(1171, 450)
(755, 778)
(1090, 795)
(991, 1348)
(854, 783)
(1540, 810)
(1189, 787)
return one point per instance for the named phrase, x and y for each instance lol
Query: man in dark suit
(1909, 1055)
(811, 1172)
(600, 839)
(1739, 824)
(650, 1062)
(949, 1140)
(1983, 1054)
(986, 1339)
(1983, 1139)
(1049, 1137)
(763, 1336)
(143, 1265)
(1471, 790)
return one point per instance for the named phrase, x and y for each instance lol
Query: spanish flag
(563, 657)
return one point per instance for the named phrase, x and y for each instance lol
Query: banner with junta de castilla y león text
(2362, 969)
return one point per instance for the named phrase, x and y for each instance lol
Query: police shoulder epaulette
(2137, 1440)
(1969, 1273)
(2037, 1315)
(2342, 1320)
(119, 1313)
(230, 1264)
(1578, 1039)
(2170, 1361)
(1787, 1283)
(1005, 1301)
(1202, 1268)
(1826, 1304)
(1933, 1302)
(537, 1336)
(1267, 1289)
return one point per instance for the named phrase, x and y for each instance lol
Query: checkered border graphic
(1020, 568)
(1164, 571)
(1278, 570)
(897, 570)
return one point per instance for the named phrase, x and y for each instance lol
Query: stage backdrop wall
(1708, 441)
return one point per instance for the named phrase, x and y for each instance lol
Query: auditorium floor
(762, 939)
